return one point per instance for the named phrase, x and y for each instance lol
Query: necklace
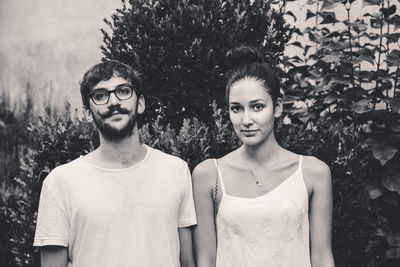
(259, 182)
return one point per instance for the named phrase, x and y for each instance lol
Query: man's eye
(124, 91)
(100, 95)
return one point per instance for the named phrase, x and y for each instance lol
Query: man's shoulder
(64, 171)
(164, 158)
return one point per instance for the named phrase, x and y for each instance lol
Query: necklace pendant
(259, 183)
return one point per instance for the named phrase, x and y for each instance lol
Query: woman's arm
(318, 178)
(204, 235)
(54, 256)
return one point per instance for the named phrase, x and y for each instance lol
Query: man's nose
(113, 99)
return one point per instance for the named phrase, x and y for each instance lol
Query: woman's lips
(249, 132)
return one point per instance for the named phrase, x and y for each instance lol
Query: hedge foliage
(59, 137)
(341, 105)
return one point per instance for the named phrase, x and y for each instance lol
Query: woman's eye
(235, 109)
(258, 107)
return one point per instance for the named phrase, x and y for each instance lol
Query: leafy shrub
(348, 72)
(57, 139)
(181, 46)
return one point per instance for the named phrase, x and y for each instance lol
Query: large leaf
(365, 55)
(310, 14)
(328, 17)
(395, 20)
(394, 104)
(316, 73)
(377, 23)
(391, 175)
(392, 37)
(393, 58)
(392, 253)
(389, 11)
(330, 4)
(332, 58)
(383, 153)
(298, 44)
(395, 126)
(305, 117)
(381, 75)
(337, 79)
(362, 106)
(375, 191)
(289, 99)
(365, 76)
(370, 36)
(290, 13)
(359, 26)
(315, 37)
(330, 99)
(393, 239)
(370, 3)
(385, 85)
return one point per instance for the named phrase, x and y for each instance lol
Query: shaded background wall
(50, 41)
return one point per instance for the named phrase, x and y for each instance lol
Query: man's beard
(113, 134)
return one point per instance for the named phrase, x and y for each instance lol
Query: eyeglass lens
(101, 97)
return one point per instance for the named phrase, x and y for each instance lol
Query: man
(124, 204)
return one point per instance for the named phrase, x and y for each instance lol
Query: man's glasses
(102, 96)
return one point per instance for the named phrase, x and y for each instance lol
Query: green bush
(181, 46)
(348, 71)
(60, 138)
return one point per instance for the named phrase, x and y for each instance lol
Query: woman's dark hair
(248, 62)
(103, 72)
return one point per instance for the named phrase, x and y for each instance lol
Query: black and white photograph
(208, 133)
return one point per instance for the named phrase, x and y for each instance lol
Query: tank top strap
(300, 162)
(219, 176)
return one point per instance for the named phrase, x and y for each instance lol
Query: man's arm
(186, 247)
(54, 256)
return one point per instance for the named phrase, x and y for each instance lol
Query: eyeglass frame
(109, 92)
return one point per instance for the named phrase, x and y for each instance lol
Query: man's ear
(88, 114)
(278, 107)
(141, 105)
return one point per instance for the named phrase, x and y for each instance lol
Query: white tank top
(271, 230)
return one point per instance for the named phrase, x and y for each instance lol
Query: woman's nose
(247, 120)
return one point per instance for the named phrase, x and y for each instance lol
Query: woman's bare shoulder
(204, 174)
(316, 172)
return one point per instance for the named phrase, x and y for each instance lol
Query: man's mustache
(112, 109)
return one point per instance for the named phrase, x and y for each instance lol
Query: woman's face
(251, 110)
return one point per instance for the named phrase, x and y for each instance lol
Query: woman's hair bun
(243, 55)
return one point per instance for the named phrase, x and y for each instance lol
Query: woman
(261, 205)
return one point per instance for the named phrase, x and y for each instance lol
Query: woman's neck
(262, 154)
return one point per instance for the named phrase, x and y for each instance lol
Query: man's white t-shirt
(117, 217)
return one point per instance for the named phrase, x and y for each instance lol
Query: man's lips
(117, 111)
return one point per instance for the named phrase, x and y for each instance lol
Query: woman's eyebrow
(257, 100)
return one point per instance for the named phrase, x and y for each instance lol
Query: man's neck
(117, 154)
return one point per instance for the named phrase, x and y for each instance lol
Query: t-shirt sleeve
(187, 213)
(52, 227)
